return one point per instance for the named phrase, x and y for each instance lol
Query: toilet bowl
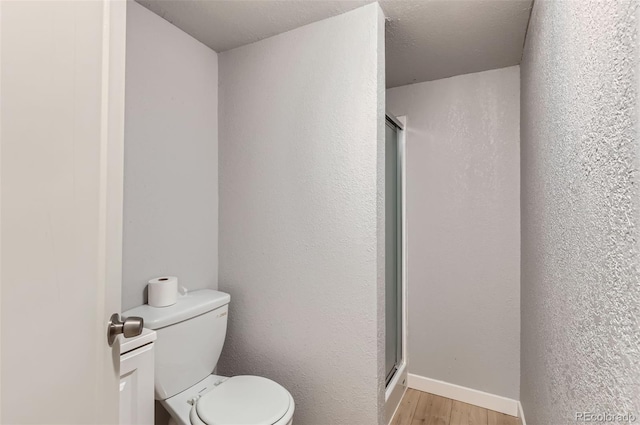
(244, 400)
(190, 336)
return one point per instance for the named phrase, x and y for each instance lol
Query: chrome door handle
(129, 327)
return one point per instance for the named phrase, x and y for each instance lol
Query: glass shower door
(393, 253)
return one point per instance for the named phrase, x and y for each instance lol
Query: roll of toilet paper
(163, 291)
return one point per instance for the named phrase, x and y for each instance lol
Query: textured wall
(171, 157)
(580, 268)
(300, 121)
(463, 225)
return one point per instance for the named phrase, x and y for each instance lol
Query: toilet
(190, 336)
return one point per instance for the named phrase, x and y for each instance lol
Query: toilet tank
(190, 336)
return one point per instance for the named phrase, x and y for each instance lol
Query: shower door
(393, 249)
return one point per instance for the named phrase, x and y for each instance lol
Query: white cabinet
(136, 379)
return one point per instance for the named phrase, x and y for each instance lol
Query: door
(61, 147)
(393, 251)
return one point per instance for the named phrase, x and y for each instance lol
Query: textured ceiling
(426, 39)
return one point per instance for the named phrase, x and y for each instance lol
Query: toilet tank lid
(190, 305)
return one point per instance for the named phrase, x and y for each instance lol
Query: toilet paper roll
(163, 291)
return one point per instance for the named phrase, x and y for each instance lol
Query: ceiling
(426, 39)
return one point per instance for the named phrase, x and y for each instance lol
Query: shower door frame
(397, 385)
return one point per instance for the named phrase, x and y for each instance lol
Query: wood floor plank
(432, 410)
(407, 408)
(419, 408)
(421, 412)
(467, 414)
(495, 418)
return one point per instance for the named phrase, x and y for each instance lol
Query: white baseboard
(466, 395)
(521, 414)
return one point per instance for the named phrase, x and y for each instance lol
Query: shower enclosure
(395, 358)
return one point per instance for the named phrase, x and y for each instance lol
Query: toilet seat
(243, 400)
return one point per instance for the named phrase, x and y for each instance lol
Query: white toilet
(190, 336)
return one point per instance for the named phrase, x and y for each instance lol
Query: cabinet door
(136, 386)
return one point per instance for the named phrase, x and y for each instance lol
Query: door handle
(129, 327)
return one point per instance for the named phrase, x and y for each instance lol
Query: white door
(61, 147)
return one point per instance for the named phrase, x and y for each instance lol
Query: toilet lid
(244, 400)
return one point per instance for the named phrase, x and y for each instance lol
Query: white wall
(463, 218)
(581, 211)
(171, 157)
(301, 120)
